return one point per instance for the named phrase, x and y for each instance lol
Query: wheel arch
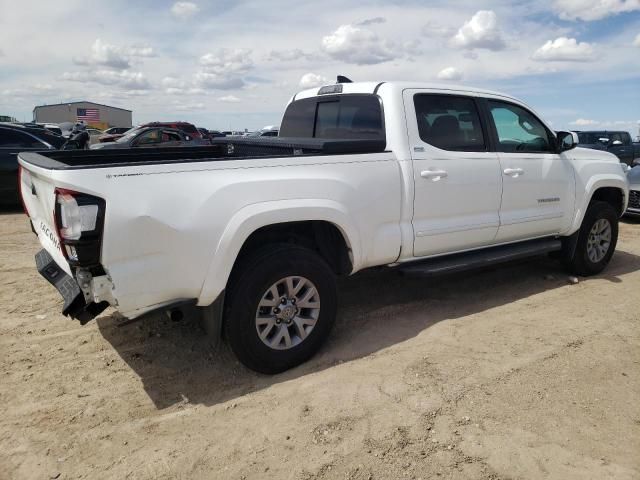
(611, 190)
(286, 221)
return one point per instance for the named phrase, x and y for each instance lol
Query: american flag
(88, 114)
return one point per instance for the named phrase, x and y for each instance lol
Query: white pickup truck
(422, 178)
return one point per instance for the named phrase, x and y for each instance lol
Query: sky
(235, 65)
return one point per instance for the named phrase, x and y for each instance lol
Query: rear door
(538, 187)
(456, 176)
(12, 142)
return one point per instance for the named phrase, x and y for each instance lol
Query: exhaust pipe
(175, 314)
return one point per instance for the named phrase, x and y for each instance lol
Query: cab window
(352, 117)
(519, 130)
(449, 122)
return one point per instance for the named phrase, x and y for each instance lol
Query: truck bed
(219, 150)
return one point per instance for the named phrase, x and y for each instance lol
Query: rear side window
(449, 122)
(352, 117)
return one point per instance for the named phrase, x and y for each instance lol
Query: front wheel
(281, 308)
(596, 242)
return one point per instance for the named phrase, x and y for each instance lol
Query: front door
(457, 180)
(538, 187)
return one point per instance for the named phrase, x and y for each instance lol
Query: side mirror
(616, 143)
(566, 141)
(625, 167)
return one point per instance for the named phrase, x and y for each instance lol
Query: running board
(481, 258)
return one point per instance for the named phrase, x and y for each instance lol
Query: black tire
(250, 280)
(578, 261)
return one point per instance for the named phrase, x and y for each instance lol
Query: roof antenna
(343, 79)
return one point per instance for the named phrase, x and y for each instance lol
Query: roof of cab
(372, 87)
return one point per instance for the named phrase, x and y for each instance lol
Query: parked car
(633, 176)
(270, 131)
(618, 143)
(148, 137)
(94, 135)
(216, 134)
(112, 134)
(402, 175)
(186, 127)
(15, 138)
(52, 127)
(116, 130)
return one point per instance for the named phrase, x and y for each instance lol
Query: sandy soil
(508, 373)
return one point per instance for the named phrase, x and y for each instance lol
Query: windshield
(128, 136)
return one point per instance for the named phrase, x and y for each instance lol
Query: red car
(186, 127)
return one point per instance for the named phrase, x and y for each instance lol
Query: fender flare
(596, 182)
(255, 216)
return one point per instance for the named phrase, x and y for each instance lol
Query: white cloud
(636, 42)
(480, 32)
(112, 56)
(371, 21)
(184, 10)
(434, 29)
(31, 90)
(125, 78)
(141, 51)
(216, 81)
(188, 107)
(564, 49)
(357, 45)
(105, 55)
(312, 80)
(450, 73)
(289, 55)
(224, 70)
(584, 122)
(229, 99)
(177, 86)
(589, 10)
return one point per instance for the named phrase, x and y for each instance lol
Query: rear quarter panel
(173, 231)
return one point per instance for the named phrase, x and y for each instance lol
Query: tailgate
(37, 189)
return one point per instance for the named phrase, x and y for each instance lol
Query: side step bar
(481, 258)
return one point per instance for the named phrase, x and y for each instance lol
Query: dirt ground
(503, 374)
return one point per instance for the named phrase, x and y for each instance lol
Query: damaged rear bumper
(75, 305)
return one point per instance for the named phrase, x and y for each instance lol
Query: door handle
(434, 175)
(513, 172)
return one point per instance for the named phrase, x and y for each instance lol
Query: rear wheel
(596, 240)
(281, 308)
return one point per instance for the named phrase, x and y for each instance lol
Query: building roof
(81, 101)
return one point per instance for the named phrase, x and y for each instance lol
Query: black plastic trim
(74, 305)
(266, 148)
(482, 258)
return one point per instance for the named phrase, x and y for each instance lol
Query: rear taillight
(79, 219)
